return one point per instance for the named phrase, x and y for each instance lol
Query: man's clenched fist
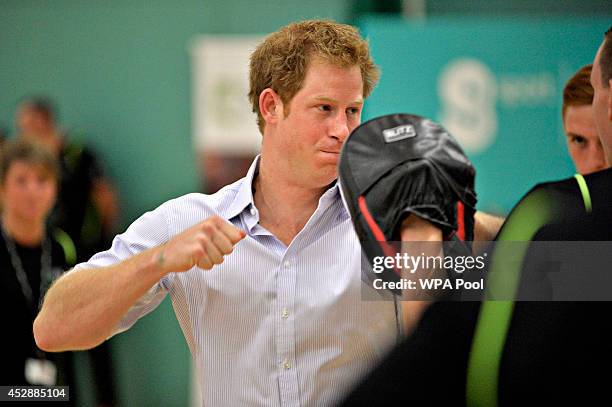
(202, 245)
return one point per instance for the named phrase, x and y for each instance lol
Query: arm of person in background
(83, 307)
(486, 228)
(104, 197)
(415, 230)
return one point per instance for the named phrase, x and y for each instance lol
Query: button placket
(286, 331)
(286, 364)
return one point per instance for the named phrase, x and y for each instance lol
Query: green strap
(67, 245)
(495, 316)
(584, 190)
(485, 356)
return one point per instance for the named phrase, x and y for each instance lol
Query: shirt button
(285, 313)
(287, 264)
(286, 364)
(253, 211)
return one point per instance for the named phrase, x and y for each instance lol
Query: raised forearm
(84, 306)
(486, 226)
(418, 236)
(104, 197)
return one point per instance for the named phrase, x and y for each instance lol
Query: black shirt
(75, 212)
(17, 314)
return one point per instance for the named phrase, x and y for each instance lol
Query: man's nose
(340, 128)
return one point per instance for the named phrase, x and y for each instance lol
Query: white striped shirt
(272, 325)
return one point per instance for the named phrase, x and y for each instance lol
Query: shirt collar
(244, 197)
(345, 208)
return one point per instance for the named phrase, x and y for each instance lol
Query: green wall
(120, 72)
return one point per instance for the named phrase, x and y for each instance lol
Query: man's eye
(353, 110)
(325, 108)
(578, 140)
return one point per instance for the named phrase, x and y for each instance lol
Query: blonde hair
(281, 60)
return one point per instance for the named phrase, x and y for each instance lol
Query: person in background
(87, 205)
(581, 134)
(86, 208)
(31, 257)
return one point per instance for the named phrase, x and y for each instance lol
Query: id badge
(40, 372)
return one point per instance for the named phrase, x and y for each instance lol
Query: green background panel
(120, 72)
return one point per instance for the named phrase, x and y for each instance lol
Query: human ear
(270, 105)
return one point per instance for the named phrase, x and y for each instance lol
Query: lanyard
(45, 268)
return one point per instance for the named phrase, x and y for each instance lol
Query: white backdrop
(222, 117)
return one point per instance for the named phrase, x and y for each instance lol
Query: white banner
(222, 118)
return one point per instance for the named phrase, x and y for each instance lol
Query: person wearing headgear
(509, 352)
(583, 142)
(278, 318)
(32, 256)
